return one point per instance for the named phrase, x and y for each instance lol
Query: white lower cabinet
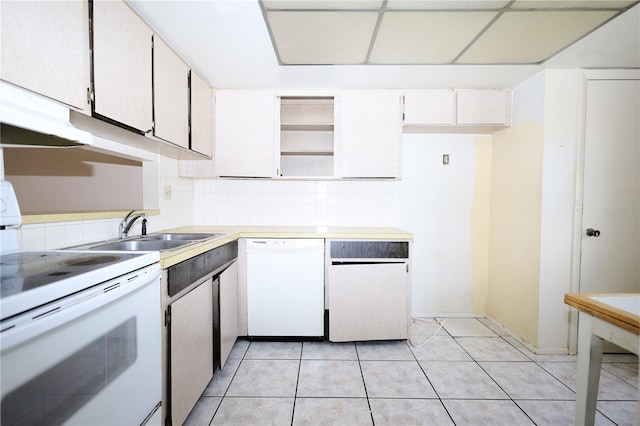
(368, 301)
(228, 311)
(191, 355)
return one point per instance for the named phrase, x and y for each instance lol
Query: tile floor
(468, 374)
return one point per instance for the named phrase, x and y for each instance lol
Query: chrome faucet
(127, 222)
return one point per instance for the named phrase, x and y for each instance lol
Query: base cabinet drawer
(368, 301)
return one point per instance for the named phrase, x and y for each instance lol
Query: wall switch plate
(445, 159)
(166, 189)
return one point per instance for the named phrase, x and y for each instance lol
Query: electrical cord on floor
(419, 345)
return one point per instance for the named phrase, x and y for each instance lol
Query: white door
(610, 262)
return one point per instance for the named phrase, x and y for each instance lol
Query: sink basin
(140, 245)
(179, 237)
(152, 242)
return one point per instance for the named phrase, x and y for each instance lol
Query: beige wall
(480, 216)
(72, 180)
(515, 229)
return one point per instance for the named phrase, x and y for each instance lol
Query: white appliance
(285, 287)
(80, 334)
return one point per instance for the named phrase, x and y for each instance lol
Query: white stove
(80, 332)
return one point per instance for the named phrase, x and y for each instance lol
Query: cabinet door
(170, 95)
(45, 49)
(191, 340)
(245, 134)
(484, 107)
(121, 65)
(201, 116)
(228, 311)
(430, 107)
(370, 134)
(368, 302)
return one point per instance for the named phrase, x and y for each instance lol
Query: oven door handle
(31, 324)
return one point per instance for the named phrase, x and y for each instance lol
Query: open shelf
(330, 153)
(301, 127)
(306, 136)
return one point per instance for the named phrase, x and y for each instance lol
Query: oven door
(93, 358)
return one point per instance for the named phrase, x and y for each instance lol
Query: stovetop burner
(95, 260)
(23, 271)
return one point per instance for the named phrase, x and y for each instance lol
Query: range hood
(28, 120)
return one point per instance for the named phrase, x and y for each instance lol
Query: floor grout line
(520, 404)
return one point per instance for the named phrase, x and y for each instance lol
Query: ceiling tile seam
(271, 36)
(458, 10)
(573, 9)
(495, 18)
(374, 36)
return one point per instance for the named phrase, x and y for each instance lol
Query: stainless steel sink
(179, 237)
(140, 245)
(151, 242)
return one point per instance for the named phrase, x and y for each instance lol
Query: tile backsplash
(257, 202)
(252, 202)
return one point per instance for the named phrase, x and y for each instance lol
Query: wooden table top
(615, 313)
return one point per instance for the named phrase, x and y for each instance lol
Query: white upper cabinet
(245, 134)
(369, 130)
(430, 107)
(122, 65)
(45, 49)
(201, 116)
(170, 95)
(484, 107)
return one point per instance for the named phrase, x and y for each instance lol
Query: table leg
(588, 371)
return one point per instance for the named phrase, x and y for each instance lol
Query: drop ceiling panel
(322, 4)
(322, 37)
(446, 4)
(426, 37)
(531, 37)
(577, 4)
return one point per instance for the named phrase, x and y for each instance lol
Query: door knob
(593, 232)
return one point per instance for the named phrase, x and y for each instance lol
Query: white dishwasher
(285, 287)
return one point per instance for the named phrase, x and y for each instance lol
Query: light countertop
(231, 233)
(621, 309)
